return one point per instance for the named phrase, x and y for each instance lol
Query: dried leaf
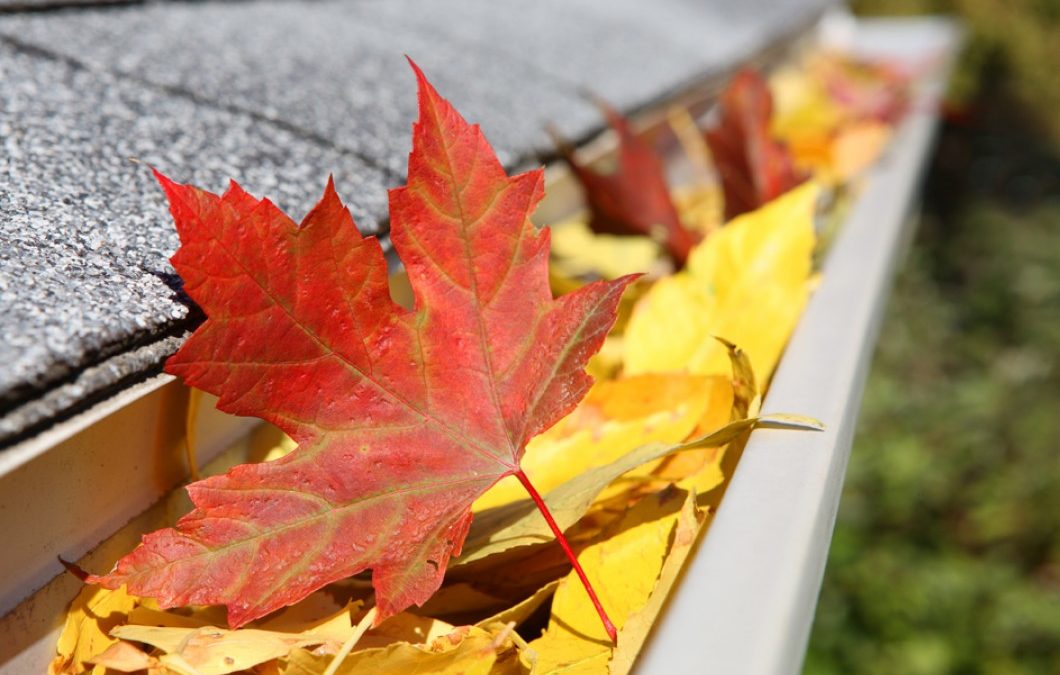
(405, 627)
(126, 658)
(855, 148)
(633, 197)
(455, 602)
(701, 206)
(215, 651)
(144, 615)
(836, 113)
(86, 633)
(639, 622)
(867, 89)
(755, 168)
(628, 563)
(521, 611)
(315, 616)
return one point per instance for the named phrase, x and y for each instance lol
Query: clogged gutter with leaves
(461, 496)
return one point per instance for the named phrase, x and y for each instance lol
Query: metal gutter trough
(92, 436)
(746, 601)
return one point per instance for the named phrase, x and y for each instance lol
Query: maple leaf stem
(358, 632)
(609, 626)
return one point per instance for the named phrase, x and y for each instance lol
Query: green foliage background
(946, 557)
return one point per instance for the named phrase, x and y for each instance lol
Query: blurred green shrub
(946, 556)
(1013, 39)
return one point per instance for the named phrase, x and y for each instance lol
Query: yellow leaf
(126, 658)
(570, 654)
(519, 524)
(317, 615)
(802, 106)
(405, 627)
(856, 147)
(268, 443)
(638, 624)
(147, 613)
(747, 283)
(521, 611)
(606, 363)
(461, 599)
(149, 616)
(86, 633)
(835, 141)
(701, 206)
(467, 650)
(700, 467)
(624, 569)
(614, 418)
(215, 651)
(578, 252)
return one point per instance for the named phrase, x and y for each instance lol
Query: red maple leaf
(634, 198)
(755, 168)
(402, 417)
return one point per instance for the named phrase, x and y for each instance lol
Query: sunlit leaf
(747, 283)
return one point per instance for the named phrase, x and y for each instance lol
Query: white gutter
(746, 601)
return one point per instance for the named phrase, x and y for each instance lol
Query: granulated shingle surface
(46, 5)
(84, 233)
(276, 95)
(336, 69)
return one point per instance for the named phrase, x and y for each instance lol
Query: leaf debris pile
(629, 468)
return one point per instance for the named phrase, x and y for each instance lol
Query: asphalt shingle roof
(276, 95)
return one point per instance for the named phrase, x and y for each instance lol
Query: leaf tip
(165, 181)
(728, 345)
(330, 193)
(790, 421)
(172, 189)
(428, 96)
(615, 120)
(76, 570)
(421, 77)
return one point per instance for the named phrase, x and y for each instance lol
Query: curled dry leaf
(755, 167)
(405, 627)
(126, 658)
(215, 651)
(521, 611)
(462, 602)
(632, 198)
(512, 525)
